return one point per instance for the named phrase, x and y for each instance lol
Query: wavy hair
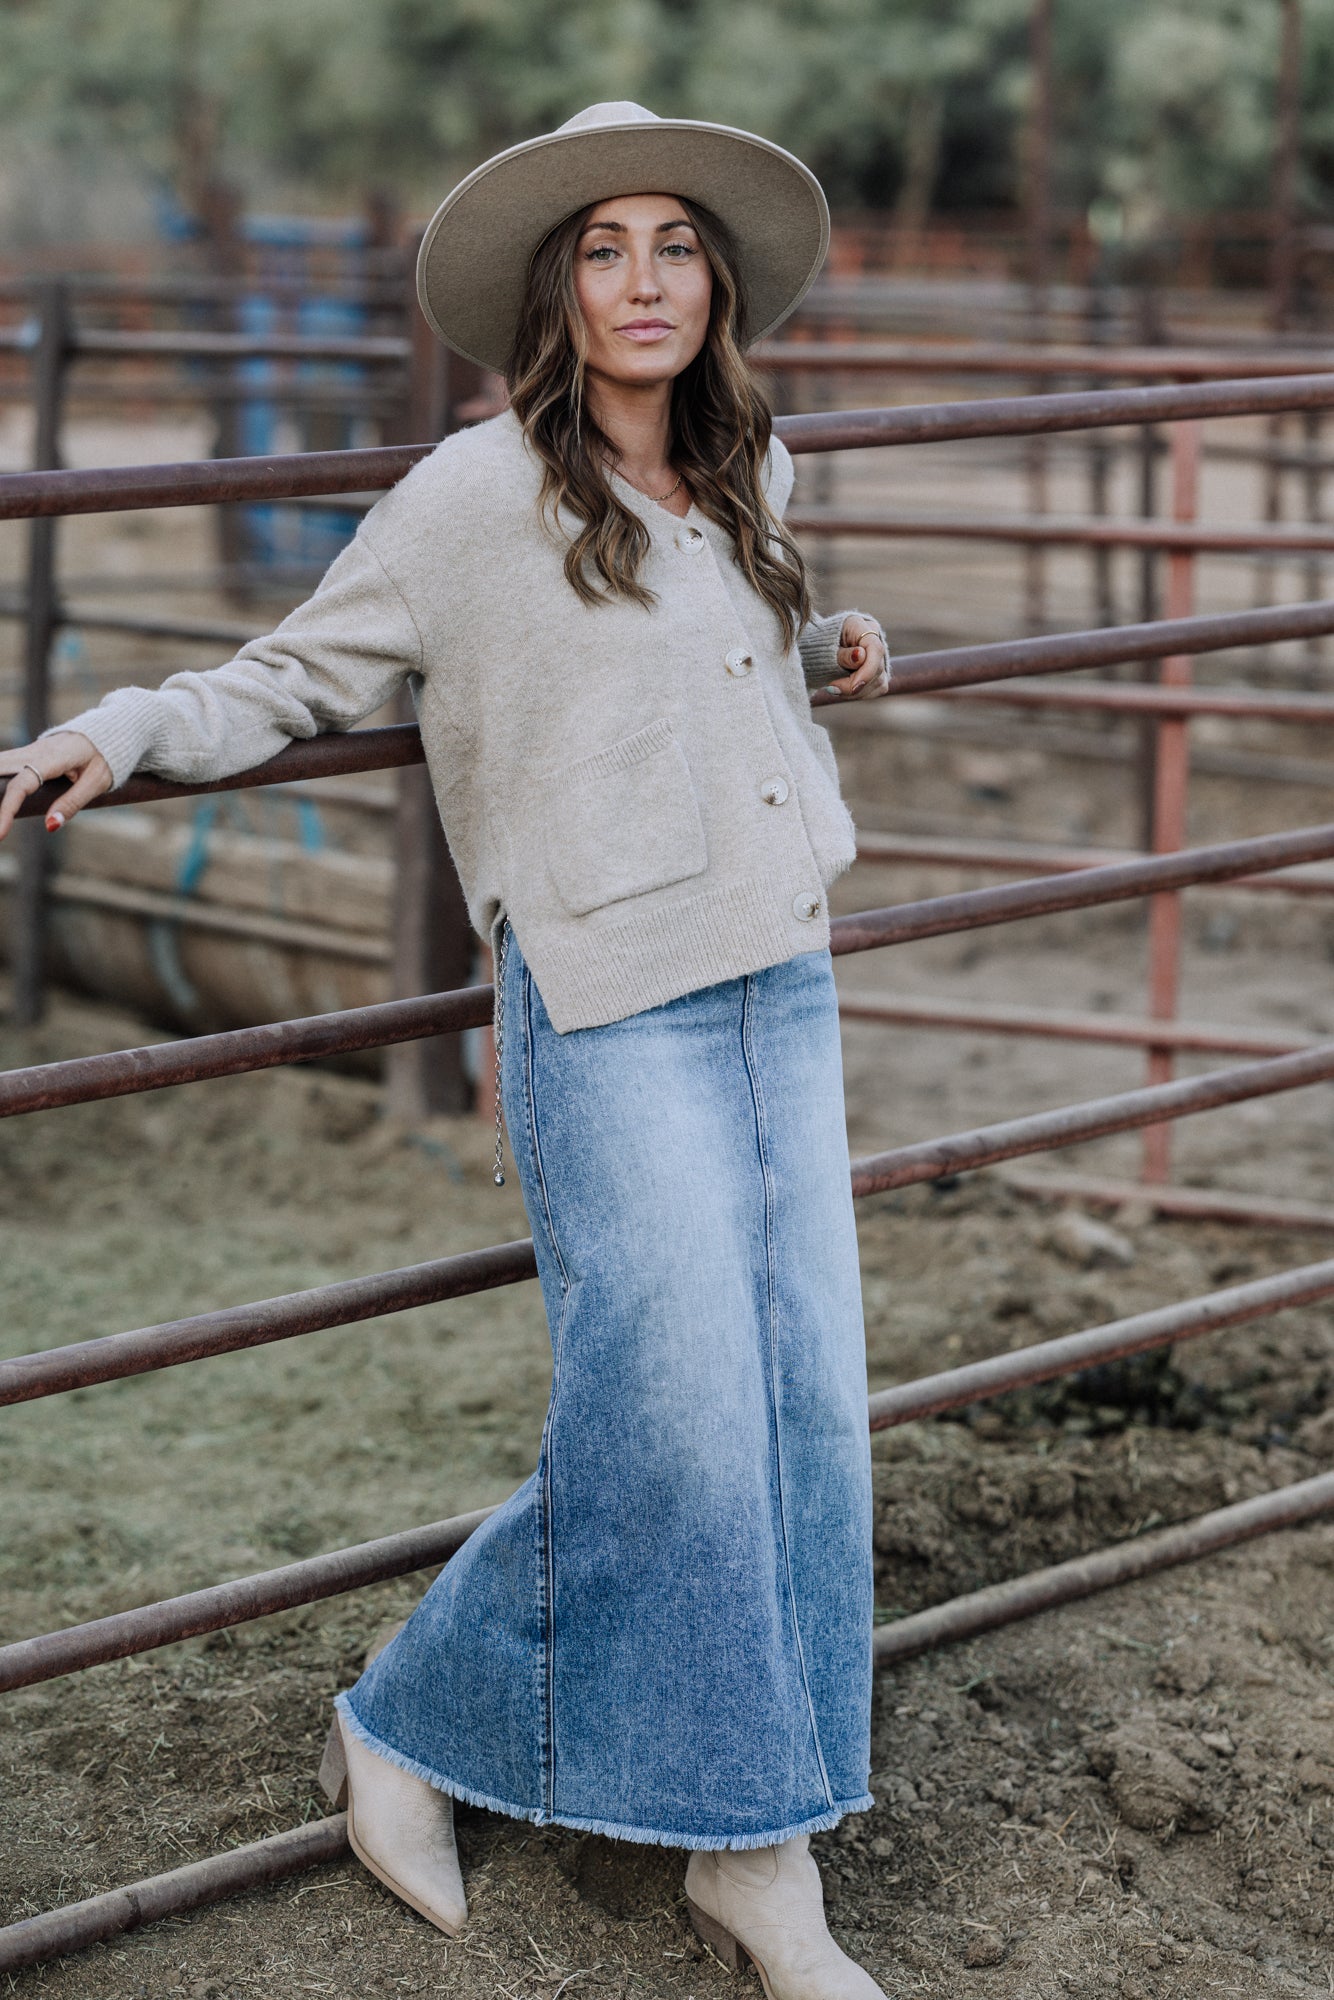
(720, 427)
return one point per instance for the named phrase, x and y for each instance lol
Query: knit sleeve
(334, 660)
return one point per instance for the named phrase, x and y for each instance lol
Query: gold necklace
(657, 498)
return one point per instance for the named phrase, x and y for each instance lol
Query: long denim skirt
(665, 1634)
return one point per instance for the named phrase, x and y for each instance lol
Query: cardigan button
(738, 661)
(806, 906)
(774, 791)
(691, 540)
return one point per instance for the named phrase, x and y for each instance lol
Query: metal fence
(1073, 884)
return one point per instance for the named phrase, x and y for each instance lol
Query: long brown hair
(721, 424)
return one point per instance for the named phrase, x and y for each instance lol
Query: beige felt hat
(473, 263)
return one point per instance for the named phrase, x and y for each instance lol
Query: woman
(665, 1634)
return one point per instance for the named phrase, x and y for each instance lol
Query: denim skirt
(665, 1634)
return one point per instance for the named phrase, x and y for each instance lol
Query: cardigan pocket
(622, 822)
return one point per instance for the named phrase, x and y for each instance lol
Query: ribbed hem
(606, 972)
(641, 1836)
(121, 727)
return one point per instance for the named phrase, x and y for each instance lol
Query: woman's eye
(685, 249)
(600, 251)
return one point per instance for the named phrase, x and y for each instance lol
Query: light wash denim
(665, 1634)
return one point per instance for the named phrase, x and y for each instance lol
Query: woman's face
(644, 286)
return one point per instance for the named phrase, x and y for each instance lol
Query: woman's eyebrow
(680, 222)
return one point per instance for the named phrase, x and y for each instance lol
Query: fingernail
(837, 690)
(54, 822)
(858, 655)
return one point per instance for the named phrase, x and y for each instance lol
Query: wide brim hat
(472, 269)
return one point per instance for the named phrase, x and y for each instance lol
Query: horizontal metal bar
(126, 1072)
(1064, 531)
(192, 913)
(209, 631)
(1043, 416)
(81, 1364)
(332, 756)
(1242, 704)
(76, 1926)
(903, 1010)
(1064, 1583)
(1005, 857)
(922, 357)
(46, 1658)
(1074, 1124)
(53, 1654)
(27, 495)
(914, 674)
(150, 345)
(1195, 1204)
(113, 1356)
(1079, 889)
(1188, 1319)
(1108, 646)
(205, 482)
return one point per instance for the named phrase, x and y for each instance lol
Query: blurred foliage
(1162, 106)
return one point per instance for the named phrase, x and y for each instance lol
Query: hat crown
(621, 112)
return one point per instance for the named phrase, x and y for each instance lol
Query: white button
(806, 907)
(738, 660)
(691, 540)
(773, 791)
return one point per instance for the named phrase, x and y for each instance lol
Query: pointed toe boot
(399, 1827)
(766, 1904)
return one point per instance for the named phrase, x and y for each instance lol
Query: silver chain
(499, 1038)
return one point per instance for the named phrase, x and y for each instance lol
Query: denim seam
(547, 1575)
(757, 1100)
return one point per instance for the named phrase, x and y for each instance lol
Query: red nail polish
(54, 822)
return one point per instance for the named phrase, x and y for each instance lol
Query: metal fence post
(1171, 786)
(50, 357)
(433, 942)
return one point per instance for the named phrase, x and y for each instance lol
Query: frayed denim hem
(641, 1836)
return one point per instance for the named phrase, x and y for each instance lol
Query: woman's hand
(66, 753)
(863, 659)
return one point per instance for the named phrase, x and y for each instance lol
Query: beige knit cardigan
(641, 791)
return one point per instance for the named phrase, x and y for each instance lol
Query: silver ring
(35, 772)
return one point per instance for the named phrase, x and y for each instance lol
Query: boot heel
(720, 1942)
(333, 1768)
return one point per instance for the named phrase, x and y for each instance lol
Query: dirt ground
(1132, 1797)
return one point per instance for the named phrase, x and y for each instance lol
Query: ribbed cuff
(122, 727)
(819, 644)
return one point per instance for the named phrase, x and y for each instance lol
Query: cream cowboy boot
(398, 1826)
(766, 1904)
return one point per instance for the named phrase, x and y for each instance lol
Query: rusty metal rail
(46, 494)
(123, 1633)
(34, 495)
(1083, 1576)
(78, 1925)
(81, 1364)
(125, 1072)
(29, 1661)
(359, 750)
(920, 357)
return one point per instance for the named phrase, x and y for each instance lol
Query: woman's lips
(646, 329)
